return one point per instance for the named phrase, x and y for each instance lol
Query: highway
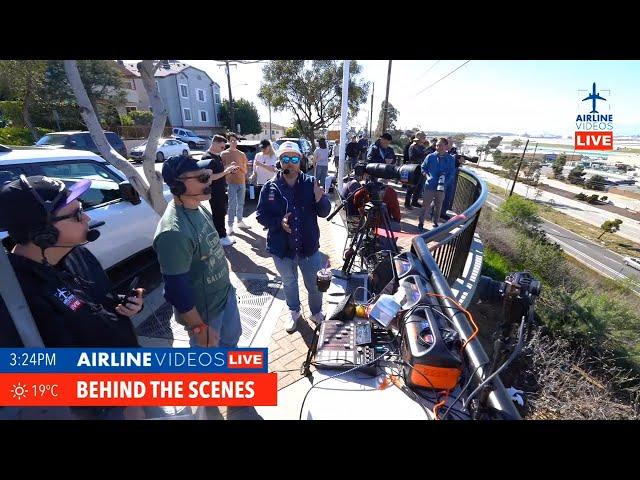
(600, 259)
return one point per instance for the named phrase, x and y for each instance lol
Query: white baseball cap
(289, 147)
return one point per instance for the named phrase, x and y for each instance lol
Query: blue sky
(484, 95)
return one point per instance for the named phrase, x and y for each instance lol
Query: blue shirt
(434, 166)
(277, 199)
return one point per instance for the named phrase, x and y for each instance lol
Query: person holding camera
(192, 260)
(289, 207)
(439, 169)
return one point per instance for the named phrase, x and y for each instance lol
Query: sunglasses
(77, 215)
(285, 159)
(202, 178)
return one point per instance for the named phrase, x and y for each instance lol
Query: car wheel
(185, 152)
(160, 157)
(192, 145)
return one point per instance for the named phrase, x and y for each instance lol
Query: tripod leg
(386, 224)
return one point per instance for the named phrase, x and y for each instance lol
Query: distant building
(277, 131)
(191, 97)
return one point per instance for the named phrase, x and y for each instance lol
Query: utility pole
(373, 89)
(344, 112)
(386, 101)
(518, 171)
(226, 64)
(270, 131)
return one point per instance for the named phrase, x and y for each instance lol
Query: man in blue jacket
(289, 207)
(381, 151)
(439, 169)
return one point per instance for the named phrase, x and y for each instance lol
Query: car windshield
(52, 140)
(190, 133)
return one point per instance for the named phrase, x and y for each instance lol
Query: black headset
(176, 187)
(45, 236)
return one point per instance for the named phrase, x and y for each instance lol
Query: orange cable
(468, 315)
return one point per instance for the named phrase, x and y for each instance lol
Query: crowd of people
(74, 307)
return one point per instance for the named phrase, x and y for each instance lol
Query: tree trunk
(147, 71)
(601, 235)
(26, 116)
(97, 134)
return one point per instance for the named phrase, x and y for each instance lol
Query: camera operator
(381, 151)
(439, 168)
(289, 207)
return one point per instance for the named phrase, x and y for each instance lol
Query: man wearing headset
(289, 206)
(192, 261)
(45, 221)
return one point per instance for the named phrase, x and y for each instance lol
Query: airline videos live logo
(594, 130)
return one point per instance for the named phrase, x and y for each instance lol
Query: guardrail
(443, 252)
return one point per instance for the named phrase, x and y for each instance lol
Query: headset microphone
(92, 235)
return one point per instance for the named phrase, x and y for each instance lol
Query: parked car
(129, 222)
(187, 136)
(167, 147)
(77, 140)
(632, 262)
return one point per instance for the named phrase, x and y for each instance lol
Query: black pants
(219, 203)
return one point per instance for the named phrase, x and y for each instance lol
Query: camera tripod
(364, 241)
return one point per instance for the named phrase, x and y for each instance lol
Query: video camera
(407, 174)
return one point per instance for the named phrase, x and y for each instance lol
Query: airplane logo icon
(593, 97)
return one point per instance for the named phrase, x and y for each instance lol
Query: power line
(428, 70)
(442, 78)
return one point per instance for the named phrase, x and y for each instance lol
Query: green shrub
(12, 112)
(19, 136)
(141, 117)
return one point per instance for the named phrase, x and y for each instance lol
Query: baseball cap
(178, 165)
(288, 147)
(20, 207)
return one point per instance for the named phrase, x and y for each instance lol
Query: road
(630, 229)
(600, 259)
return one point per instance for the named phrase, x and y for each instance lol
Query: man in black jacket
(352, 151)
(219, 200)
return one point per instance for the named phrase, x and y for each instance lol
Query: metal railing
(443, 252)
(449, 243)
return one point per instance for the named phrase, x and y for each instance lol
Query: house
(191, 97)
(277, 131)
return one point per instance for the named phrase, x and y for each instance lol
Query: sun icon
(19, 391)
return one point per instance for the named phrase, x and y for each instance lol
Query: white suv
(632, 262)
(129, 222)
(187, 136)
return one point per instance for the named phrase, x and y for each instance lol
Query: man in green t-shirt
(192, 261)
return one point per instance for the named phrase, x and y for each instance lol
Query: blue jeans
(321, 173)
(236, 202)
(227, 323)
(288, 270)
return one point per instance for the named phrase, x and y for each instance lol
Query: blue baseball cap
(178, 165)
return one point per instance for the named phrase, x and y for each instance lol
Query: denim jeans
(236, 202)
(288, 270)
(321, 173)
(227, 323)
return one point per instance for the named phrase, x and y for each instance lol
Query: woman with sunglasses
(264, 163)
(289, 206)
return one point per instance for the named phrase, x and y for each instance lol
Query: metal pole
(386, 101)
(270, 135)
(343, 123)
(17, 305)
(232, 116)
(518, 171)
(373, 89)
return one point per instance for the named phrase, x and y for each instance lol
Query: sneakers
(241, 224)
(227, 241)
(292, 323)
(317, 318)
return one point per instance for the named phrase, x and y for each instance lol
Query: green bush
(519, 211)
(141, 117)
(12, 112)
(126, 120)
(19, 136)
